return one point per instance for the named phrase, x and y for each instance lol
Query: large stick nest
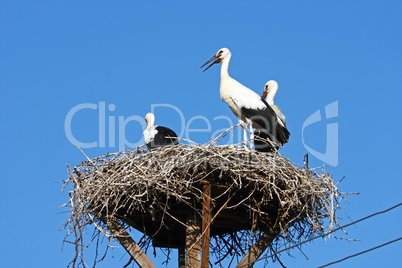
(155, 192)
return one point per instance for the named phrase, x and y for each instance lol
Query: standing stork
(247, 105)
(158, 136)
(270, 90)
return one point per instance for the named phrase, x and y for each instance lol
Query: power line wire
(365, 251)
(332, 231)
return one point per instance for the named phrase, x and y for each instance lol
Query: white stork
(247, 105)
(270, 90)
(157, 136)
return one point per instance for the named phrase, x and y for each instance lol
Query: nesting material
(155, 192)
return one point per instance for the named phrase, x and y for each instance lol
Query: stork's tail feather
(283, 135)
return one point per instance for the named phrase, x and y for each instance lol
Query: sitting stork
(247, 105)
(158, 136)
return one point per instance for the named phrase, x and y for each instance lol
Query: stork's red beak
(264, 95)
(216, 60)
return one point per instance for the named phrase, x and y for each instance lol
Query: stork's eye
(220, 51)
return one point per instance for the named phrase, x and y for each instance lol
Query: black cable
(332, 231)
(354, 255)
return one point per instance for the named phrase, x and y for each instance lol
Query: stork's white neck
(225, 67)
(225, 79)
(151, 123)
(271, 95)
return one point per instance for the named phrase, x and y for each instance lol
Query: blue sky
(129, 55)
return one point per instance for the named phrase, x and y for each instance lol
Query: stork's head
(150, 119)
(223, 53)
(270, 86)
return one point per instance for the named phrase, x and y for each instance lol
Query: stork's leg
(245, 136)
(251, 137)
(244, 126)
